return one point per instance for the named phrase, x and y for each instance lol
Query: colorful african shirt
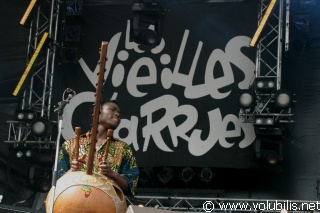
(120, 158)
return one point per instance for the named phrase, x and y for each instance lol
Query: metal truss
(269, 63)
(38, 92)
(20, 134)
(269, 48)
(211, 204)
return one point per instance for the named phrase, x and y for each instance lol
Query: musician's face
(110, 115)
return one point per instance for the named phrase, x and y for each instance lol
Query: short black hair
(111, 101)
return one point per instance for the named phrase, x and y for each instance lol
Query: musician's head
(110, 116)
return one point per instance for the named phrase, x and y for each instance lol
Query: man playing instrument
(120, 165)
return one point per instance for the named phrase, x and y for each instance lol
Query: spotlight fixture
(265, 84)
(206, 175)
(39, 127)
(74, 7)
(283, 99)
(268, 150)
(271, 157)
(22, 152)
(69, 55)
(19, 154)
(28, 153)
(146, 25)
(25, 115)
(187, 174)
(146, 175)
(166, 175)
(72, 33)
(265, 120)
(301, 23)
(39, 178)
(43, 184)
(246, 98)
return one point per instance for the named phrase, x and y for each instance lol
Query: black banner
(179, 100)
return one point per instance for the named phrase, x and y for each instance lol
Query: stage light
(28, 153)
(147, 37)
(39, 126)
(206, 175)
(19, 154)
(283, 99)
(22, 152)
(268, 149)
(271, 157)
(146, 175)
(43, 185)
(74, 7)
(262, 23)
(187, 174)
(25, 115)
(166, 175)
(246, 98)
(301, 23)
(30, 64)
(69, 55)
(72, 33)
(265, 120)
(146, 25)
(265, 84)
(28, 12)
(39, 178)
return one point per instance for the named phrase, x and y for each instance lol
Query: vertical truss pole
(38, 93)
(287, 25)
(55, 37)
(269, 48)
(280, 37)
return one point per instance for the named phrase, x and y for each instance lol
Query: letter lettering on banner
(236, 57)
(133, 80)
(112, 47)
(132, 127)
(171, 105)
(229, 58)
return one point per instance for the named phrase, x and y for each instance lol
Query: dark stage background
(179, 100)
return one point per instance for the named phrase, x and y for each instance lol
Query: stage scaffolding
(38, 94)
(38, 91)
(273, 39)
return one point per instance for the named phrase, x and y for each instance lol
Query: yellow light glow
(28, 11)
(29, 66)
(262, 23)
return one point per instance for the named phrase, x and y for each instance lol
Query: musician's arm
(63, 165)
(129, 170)
(122, 182)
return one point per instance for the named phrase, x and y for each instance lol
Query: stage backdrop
(179, 100)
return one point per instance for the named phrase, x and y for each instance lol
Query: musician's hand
(106, 170)
(77, 164)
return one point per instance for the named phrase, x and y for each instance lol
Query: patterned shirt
(120, 158)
